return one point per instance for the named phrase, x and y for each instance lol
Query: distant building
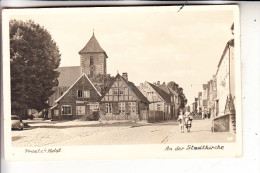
(158, 98)
(212, 104)
(205, 96)
(200, 103)
(195, 106)
(122, 100)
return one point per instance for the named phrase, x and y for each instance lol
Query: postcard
(129, 82)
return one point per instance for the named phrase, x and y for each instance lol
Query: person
(181, 121)
(187, 120)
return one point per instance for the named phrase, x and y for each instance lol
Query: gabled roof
(68, 75)
(92, 46)
(137, 92)
(83, 74)
(131, 85)
(165, 96)
(164, 88)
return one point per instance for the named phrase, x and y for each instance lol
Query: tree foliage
(34, 58)
(101, 82)
(174, 86)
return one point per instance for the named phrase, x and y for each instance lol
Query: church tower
(93, 58)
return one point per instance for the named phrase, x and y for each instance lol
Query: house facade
(205, 96)
(225, 119)
(158, 98)
(175, 100)
(200, 103)
(225, 77)
(122, 100)
(212, 102)
(80, 100)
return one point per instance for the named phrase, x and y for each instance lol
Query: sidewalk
(200, 133)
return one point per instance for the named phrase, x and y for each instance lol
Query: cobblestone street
(47, 133)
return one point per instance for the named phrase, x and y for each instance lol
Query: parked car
(16, 122)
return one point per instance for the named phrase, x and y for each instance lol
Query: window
(121, 91)
(91, 60)
(132, 107)
(108, 107)
(158, 107)
(80, 110)
(56, 112)
(66, 110)
(93, 107)
(115, 91)
(86, 94)
(80, 93)
(121, 107)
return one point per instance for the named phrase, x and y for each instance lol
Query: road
(70, 133)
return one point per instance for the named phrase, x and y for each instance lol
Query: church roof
(68, 75)
(92, 46)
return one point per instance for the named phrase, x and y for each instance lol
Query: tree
(101, 81)
(174, 86)
(34, 59)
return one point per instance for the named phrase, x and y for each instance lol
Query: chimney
(164, 83)
(141, 84)
(158, 82)
(154, 83)
(125, 76)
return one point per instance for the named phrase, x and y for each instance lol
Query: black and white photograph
(138, 82)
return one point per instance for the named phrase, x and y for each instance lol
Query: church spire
(93, 31)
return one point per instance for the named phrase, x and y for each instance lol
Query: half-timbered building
(158, 98)
(80, 100)
(122, 100)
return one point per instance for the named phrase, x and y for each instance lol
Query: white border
(250, 160)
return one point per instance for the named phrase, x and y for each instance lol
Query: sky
(149, 43)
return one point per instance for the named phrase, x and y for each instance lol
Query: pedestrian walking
(188, 120)
(181, 121)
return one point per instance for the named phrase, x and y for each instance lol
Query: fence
(151, 116)
(119, 117)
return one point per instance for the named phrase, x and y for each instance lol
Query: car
(16, 122)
